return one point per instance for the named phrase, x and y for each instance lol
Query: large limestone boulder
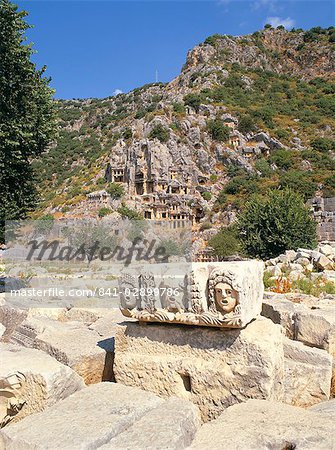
(102, 413)
(308, 373)
(31, 380)
(172, 425)
(261, 425)
(214, 369)
(316, 327)
(325, 408)
(71, 343)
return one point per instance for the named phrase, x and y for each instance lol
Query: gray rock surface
(170, 426)
(264, 425)
(71, 343)
(213, 370)
(30, 380)
(308, 373)
(325, 408)
(84, 421)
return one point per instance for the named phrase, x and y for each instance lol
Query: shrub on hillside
(178, 107)
(299, 182)
(104, 212)
(193, 100)
(274, 223)
(206, 195)
(246, 124)
(160, 132)
(226, 242)
(115, 190)
(284, 159)
(129, 213)
(323, 145)
(218, 130)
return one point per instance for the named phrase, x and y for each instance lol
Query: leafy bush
(129, 213)
(263, 167)
(222, 198)
(160, 132)
(115, 190)
(104, 212)
(226, 242)
(178, 107)
(212, 40)
(206, 195)
(241, 184)
(246, 124)
(323, 145)
(299, 182)
(127, 133)
(277, 222)
(218, 130)
(193, 100)
(284, 159)
(44, 224)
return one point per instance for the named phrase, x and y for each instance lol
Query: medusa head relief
(223, 292)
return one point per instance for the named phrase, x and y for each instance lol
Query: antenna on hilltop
(156, 76)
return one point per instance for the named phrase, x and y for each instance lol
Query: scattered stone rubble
(304, 263)
(169, 378)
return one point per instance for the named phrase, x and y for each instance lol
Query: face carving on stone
(225, 297)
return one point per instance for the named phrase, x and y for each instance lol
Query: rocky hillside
(245, 114)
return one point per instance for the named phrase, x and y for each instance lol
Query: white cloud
(276, 21)
(117, 91)
(270, 5)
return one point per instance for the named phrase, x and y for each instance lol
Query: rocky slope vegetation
(246, 114)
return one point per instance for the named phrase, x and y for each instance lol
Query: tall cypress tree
(27, 116)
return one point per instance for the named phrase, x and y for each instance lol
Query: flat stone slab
(308, 374)
(98, 414)
(170, 426)
(71, 343)
(31, 380)
(212, 368)
(261, 425)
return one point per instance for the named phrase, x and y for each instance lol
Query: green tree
(246, 124)
(27, 116)
(193, 100)
(115, 190)
(226, 242)
(300, 182)
(323, 145)
(274, 223)
(160, 132)
(218, 130)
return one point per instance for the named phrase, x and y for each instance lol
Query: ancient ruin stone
(308, 373)
(86, 420)
(224, 294)
(30, 380)
(171, 425)
(71, 343)
(211, 368)
(259, 424)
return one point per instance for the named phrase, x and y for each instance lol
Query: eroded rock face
(172, 425)
(259, 424)
(221, 294)
(30, 380)
(107, 415)
(210, 368)
(308, 373)
(71, 343)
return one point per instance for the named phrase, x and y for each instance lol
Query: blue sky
(94, 48)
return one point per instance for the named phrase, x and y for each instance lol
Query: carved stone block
(212, 368)
(219, 294)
